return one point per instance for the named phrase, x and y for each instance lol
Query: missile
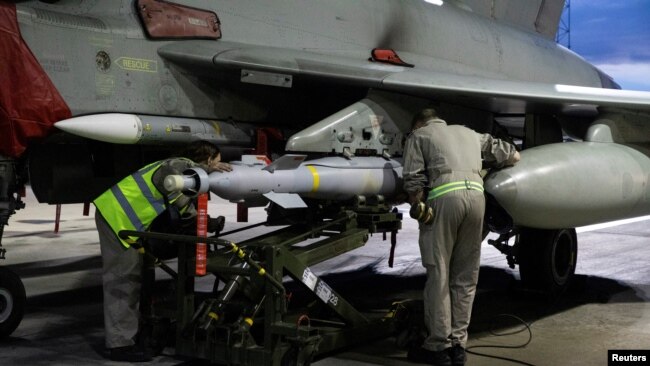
(120, 128)
(290, 178)
(567, 185)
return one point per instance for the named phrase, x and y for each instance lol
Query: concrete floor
(607, 306)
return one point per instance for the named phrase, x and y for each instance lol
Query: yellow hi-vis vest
(133, 203)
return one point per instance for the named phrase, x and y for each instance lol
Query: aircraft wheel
(547, 258)
(12, 301)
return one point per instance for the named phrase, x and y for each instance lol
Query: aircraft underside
(113, 96)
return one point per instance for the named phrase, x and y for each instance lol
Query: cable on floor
(526, 328)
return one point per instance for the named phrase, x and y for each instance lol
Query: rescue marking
(137, 64)
(314, 173)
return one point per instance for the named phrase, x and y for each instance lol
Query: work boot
(421, 355)
(457, 355)
(129, 354)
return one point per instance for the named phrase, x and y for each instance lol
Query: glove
(421, 212)
(215, 225)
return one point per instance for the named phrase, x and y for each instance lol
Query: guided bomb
(290, 178)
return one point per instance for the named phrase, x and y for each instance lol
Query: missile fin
(286, 162)
(286, 200)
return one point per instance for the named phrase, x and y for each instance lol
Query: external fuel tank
(574, 184)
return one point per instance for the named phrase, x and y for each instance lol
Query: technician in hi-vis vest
(133, 204)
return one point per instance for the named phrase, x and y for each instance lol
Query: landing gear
(12, 291)
(12, 301)
(546, 258)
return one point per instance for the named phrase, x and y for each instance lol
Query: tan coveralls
(436, 154)
(122, 268)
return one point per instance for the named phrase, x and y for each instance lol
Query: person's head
(420, 118)
(202, 152)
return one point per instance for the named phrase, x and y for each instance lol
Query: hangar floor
(607, 306)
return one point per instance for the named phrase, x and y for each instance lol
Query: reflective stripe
(157, 205)
(126, 207)
(314, 173)
(454, 186)
(172, 197)
(133, 203)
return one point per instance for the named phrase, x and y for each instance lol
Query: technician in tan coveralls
(441, 166)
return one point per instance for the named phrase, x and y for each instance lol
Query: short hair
(200, 151)
(424, 115)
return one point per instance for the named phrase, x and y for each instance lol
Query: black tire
(547, 258)
(12, 302)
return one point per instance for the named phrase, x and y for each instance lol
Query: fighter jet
(91, 90)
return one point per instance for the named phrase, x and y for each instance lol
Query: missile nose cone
(503, 187)
(114, 128)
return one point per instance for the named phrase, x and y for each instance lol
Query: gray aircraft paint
(292, 63)
(497, 59)
(133, 78)
(375, 124)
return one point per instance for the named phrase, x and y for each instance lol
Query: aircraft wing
(279, 66)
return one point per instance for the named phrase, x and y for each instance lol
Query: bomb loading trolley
(252, 319)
